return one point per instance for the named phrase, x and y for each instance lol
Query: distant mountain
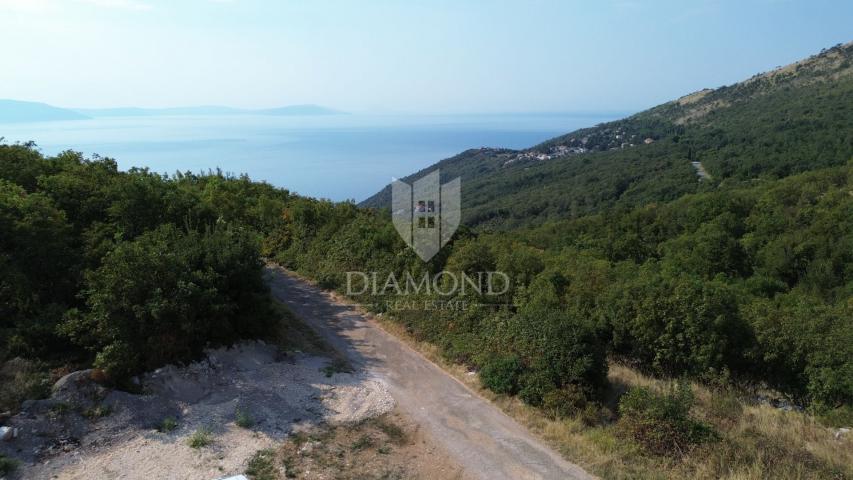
(206, 110)
(13, 111)
(793, 119)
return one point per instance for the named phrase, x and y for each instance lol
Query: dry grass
(387, 447)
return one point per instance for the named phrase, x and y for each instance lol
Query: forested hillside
(623, 256)
(791, 120)
(126, 270)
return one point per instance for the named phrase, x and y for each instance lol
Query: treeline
(749, 284)
(129, 270)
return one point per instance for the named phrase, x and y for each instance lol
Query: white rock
(841, 432)
(6, 433)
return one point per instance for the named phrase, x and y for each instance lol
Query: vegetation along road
(485, 441)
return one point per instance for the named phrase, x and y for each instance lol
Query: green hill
(793, 119)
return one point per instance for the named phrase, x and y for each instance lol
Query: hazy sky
(400, 56)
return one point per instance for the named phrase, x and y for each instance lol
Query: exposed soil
(87, 431)
(387, 447)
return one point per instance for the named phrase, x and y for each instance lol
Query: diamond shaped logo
(426, 213)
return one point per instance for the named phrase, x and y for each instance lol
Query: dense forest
(129, 270)
(748, 284)
(616, 257)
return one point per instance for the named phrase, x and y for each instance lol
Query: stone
(6, 433)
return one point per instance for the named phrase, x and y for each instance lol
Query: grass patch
(290, 470)
(363, 442)
(394, 432)
(168, 424)
(363, 451)
(200, 438)
(98, 412)
(262, 466)
(243, 419)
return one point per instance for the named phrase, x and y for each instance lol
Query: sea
(338, 157)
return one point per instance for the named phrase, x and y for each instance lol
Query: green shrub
(683, 325)
(167, 295)
(167, 425)
(501, 374)
(243, 419)
(535, 385)
(836, 417)
(566, 347)
(262, 466)
(662, 423)
(564, 402)
(200, 438)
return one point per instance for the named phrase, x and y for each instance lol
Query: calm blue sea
(338, 157)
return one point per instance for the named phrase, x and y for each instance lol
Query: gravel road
(484, 440)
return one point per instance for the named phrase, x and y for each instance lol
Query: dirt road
(485, 441)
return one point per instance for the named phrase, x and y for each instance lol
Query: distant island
(15, 111)
(12, 111)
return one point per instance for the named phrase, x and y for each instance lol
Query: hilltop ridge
(789, 120)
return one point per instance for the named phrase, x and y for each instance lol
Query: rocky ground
(237, 401)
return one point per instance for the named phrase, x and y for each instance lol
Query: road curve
(485, 441)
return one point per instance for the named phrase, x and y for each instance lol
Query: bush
(501, 374)
(535, 385)
(262, 466)
(243, 419)
(200, 438)
(21, 380)
(567, 347)
(168, 424)
(167, 295)
(565, 402)
(684, 325)
(662, 423)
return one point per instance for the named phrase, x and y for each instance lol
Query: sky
(410, 56)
